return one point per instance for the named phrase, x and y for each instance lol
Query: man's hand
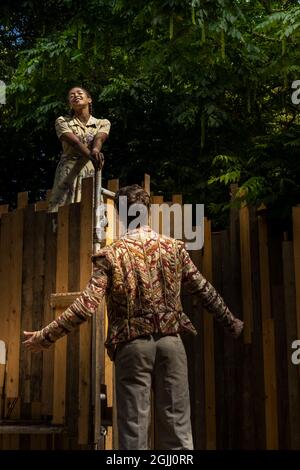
(235, 328)
(98, 156)
(33, 342)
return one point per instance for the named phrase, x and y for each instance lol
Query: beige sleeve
(61, 126)
(104, 126)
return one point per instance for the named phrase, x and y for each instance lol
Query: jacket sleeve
(82, 308)
(198, 285)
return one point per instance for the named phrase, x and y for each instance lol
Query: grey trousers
(159, 363)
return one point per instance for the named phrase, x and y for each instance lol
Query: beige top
(84, 132)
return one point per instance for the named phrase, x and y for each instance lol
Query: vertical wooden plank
(246, 273)
(41, 206)
(26, 313)
(38, 298)
(146, 184)
(15, 283)
(280, 351)
(253, 386)
(48, 313)
(270, 384)
(60, 360)
(3, 209)
(113, 185)
(22, 200)
(264, 268)
(195, 353)
(220, 391)
(209, 356)
(5, 276)
(86, 237)
(72, 395)
(157, 200)
(176, 199)
(291, 328)
(296, 238)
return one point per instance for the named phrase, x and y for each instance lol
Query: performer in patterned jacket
(141, 276)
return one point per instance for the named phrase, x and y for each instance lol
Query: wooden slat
(157, 200)
(72, 396)
(209, 357)
(63, 299)
(48, 312)
(264, 268)
(113, 185)
(5, 235)
(22, 200)
(16, 251)
(270, 384)
(246, 272)
(296, 238)
(291, 327)
(26, 313)
(60, 359)
(146, 184)
(29, 429)
(176, 199)
(38, 300)
(86, 238)
(3, 209)
(41, 206)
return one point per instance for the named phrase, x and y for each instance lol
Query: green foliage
(198, 93)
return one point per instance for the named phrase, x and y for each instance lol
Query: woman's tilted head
(79, 98)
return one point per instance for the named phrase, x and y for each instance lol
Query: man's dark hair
(135, 195)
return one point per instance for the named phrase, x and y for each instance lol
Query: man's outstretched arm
(81, 309)
(209, 297)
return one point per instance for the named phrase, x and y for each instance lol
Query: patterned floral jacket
(141, 276)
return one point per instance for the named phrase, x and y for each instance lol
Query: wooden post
(269, 351)
(246, 273)
(209, 355)
(15, 285)
(146, 184)
(113, 185)
(270, 384)
(22, 200)
(3, 209)
(60, 359)
(86, 246)
(49, 288)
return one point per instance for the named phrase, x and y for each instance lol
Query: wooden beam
(30, 429)
(63, 299)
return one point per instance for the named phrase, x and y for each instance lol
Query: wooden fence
(245, 394)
